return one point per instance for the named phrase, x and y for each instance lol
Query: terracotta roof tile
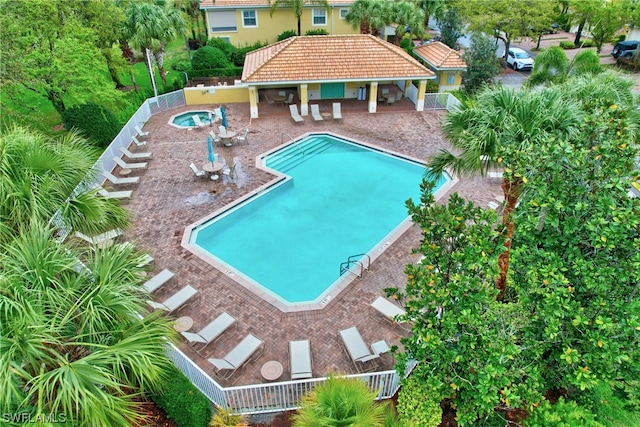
(439, 55)
(209, 4)
(327, 58)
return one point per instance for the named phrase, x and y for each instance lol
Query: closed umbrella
(212, 155)
(224, 118)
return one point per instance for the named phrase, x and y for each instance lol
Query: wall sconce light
(212, 91)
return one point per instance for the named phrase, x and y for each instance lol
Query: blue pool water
(185, 119)
(342, 200)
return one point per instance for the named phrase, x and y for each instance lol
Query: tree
(209, 57)
(297, 6)
(495, 131)
(94, 122)
(552, 66)
(431, 8)
(340, 402)
(606, 22)
(482, 64)
(581, 13)
(405, 14)
(451, 28)
(149, 26)
(368, 15)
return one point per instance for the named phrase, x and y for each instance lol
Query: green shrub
(562, 414)
(209, 57)
(588, 43)
(286, 34)
(417, 406)
(565, 44)
(316, 32)
(223, 45)
(182, 402)
(237, 57)
(182, 65)
(93, 121)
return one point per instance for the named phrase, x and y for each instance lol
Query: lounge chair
(389, 310)
(140, 131)
(197, 121)
(244, 136)
(294, 113)
(125, 165)
(315, 112)
(211, 332)
(337, 111)
(215, 138)
(289, 100)
(197, 172)
(238, 356)
(138, 142)
(158, 280)
(300, 361)
(115, 180)
(114, 194)
(269, 100)
(101, 240)
(175, 301)
(356, 348)
(135, 156)
(495, 174)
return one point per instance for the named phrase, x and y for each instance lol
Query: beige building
(445, 62)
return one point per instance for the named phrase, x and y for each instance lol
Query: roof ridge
(395, 49)
(276, 48)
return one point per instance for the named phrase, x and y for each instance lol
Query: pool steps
(290, 158)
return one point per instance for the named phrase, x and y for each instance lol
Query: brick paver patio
(168, 199)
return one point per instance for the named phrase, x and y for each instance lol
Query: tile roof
(331, 58)
(211, 4)
(439, 55)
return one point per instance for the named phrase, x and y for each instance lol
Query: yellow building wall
(269, 27)
(221, 95)
(443, 80)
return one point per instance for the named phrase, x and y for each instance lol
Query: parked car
(625, 49)
(519, 59)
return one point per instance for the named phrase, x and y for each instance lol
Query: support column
(253, 104)
(422, 89)
(373, 97)
(304, 100)
(407, 84)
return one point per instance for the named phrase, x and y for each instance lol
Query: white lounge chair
(140, 131)
(198, 173)
(115, 180)
(100, 240)
(390, 311)
(215, 138)
(294, 113)
(125, 165)
(238, 356)
(315, 112)
(175, 301)
(337, 111)
(244, 136)
(158, 280)
(211, 332)
(126, 194)
(138, 142)
(356, 348)
(300, 361)
(135, 156)
(197, 121)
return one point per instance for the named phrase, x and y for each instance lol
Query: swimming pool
(185, 120)
(336, 198)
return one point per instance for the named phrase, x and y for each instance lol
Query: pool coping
(342, 282)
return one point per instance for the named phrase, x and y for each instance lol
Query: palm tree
(406, 14)
(435, 8)
(553, 66)
(368, 15)
(149, 26)
(340, 402)
(496, 130)
(39, 176)
(297, 6)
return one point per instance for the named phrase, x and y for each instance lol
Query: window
(343, 13)
(249, 18)
(319, 17)
(222, 22)
(451, 77)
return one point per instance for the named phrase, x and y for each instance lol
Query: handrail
(361, 256)
(295, 145)
(346, 266)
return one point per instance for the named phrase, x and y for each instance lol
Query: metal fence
(273, 397)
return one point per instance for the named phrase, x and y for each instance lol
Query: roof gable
(328, 58)
(439, 55)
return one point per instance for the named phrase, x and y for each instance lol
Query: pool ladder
(297, 144)
(354, 265)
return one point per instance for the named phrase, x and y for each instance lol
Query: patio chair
(197, 121)
(238, 356)
(244, 136)
(114, 194)
(269, 100)
(215, 138)
(211, 332)
(115, 180)
(389, 311)
(140, 131)
(300, 361)
(229, 171)
(222, 129)
(175, 301)
(294, 113)
(356, 348)
(391, 100)
(138, 142)
(158, 280)
(289, 100)
(101, 240)
(399, 95)
(135, 156)
(125, 165)
(197, 173)
(384, 91)
(315, 112)
(495, 174)
(337, 111)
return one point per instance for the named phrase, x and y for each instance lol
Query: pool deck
(168, 199)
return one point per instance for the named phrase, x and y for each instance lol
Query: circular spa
(337, 200)
(191, 119)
